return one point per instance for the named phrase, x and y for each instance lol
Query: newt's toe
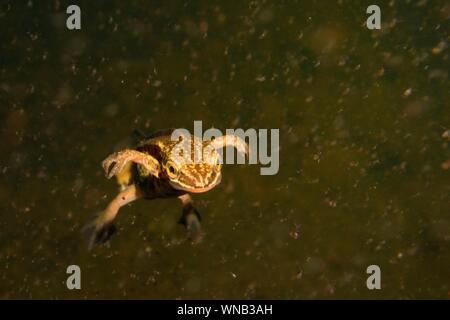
(98, 234)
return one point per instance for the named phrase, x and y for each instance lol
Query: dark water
(364, 160)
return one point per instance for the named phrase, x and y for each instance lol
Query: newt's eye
(171, 170)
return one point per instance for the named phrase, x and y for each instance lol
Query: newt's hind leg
(190, 219)
(102, 228)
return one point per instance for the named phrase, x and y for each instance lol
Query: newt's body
(158, 166)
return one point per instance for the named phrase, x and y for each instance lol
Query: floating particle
(407, 92)
(439, 48)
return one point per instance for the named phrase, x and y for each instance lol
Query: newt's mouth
(178, 186)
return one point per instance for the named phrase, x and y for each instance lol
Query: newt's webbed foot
(117, 162)
(191, 220)
(98, 233)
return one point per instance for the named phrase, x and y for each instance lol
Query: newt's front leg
(116, 162)
(102, 228)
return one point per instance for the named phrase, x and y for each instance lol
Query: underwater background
(364, 148)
